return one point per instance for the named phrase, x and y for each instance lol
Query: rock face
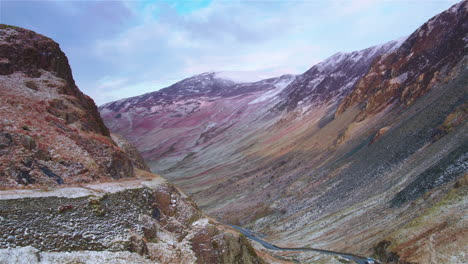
(430, 55)
(134, 155)
(24, 51)
(361, 154)
(50, 132)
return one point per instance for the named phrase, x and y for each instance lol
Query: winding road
(249, 234)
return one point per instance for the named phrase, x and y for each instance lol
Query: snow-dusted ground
(96, 189)
(280, 86)
(30, 255)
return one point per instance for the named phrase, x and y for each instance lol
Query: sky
(119, 49)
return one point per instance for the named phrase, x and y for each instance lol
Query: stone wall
(149, 217)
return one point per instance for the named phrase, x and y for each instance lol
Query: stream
(250, 235)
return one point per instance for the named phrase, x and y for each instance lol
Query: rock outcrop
(29, 53)
(133, 153)
(431, 55)
(50, 132)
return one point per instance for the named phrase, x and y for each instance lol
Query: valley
(362, 158)
(357, 154)
(350, 257)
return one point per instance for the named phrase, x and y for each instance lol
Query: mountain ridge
(310, 169)
(431, 49)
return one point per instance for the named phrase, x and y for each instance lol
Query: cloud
(291, 57)
(267, 36)
(173, 46)
(125, 48)
(75, 25)
(112, 88)
(70, 22)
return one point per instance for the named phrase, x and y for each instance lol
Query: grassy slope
(336, 186)
(388, 185)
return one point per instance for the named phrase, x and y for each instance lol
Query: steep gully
(357, 259)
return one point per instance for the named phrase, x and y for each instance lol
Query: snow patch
(19, 255)
(280, 86)
(243, 76)
(30, 255)
(399, 79)
(330, 62)
(265, 96)
(210, 125)
(201, 222)
(399, 42)
(96, 189)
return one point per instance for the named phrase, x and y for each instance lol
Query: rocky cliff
(25, 52)
(51, 133)
(133, 153)
(432, 54)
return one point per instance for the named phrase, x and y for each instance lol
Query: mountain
(319, 84)
(364, 153)
(70, 192)
(169, 124)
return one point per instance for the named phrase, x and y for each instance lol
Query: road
(249, 234)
